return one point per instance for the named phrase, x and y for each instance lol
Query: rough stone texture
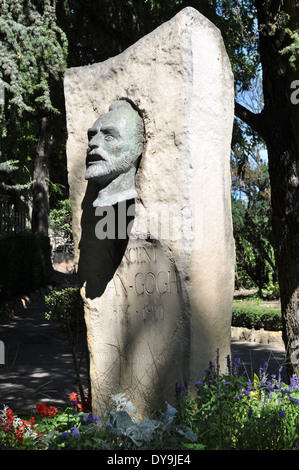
(257, 336)
(158, 305)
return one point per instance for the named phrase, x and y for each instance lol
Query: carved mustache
(94, 157)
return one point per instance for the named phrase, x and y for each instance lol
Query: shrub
(61, 219)
(236, 413)
(271, 291)
(67, 312)
(256, 316)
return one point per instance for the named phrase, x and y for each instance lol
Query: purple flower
(294, 400)
(65, 434)
(181, 388)
(75, 431)
(294, 382)
(199, 383)
(229, 367)
(227, 383)
(92, 418)
(279, 374)
(237, 363)
(286, 390)
(281, 414)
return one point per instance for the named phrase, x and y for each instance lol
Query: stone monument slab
(156, 266)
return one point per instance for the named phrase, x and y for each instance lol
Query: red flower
(9, 418)
(86, 405)
(74, 397)
(44, 410)
(19, 435)
(30, 423)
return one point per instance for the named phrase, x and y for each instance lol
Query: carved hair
(124, 104)
(121, 104)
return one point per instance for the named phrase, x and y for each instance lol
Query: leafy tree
(32, 60)
(251, 209)
(6, 168)
(260, 35)
(278, 124)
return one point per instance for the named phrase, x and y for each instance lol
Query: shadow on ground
(253, 356)
(38, 362)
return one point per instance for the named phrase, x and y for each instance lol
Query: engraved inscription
(140, 254)
(147, 312)
(147, 283)
(161, 283)
(153, 312)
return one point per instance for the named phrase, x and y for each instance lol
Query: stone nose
(93, 143)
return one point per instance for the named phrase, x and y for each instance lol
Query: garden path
(38, 362)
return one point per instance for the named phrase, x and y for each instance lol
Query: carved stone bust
(115, 144)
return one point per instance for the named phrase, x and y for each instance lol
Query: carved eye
(109, 137)
(91, 134)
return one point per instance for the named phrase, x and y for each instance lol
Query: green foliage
(71, 429)
(271, 291)
(293, 48)
(159, 429)
(8, 167)
(233, 412)
(251, 211)
(32, 54)
(61, 218)
(228, 412)
(66, 311)
(33, 51)
(253, 315)
(25, 264)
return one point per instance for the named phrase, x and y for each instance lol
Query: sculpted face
(115, 143)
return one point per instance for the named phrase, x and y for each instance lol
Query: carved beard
(107, 170)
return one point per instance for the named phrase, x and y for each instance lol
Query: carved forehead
(126, 121)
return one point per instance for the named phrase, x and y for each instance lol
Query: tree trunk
(281, 137)
(278, 124)
(40, 189)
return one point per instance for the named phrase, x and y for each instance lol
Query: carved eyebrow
(111, 130)
(91, 132)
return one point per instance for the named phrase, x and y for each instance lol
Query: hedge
(257, 317)
(25, 264)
